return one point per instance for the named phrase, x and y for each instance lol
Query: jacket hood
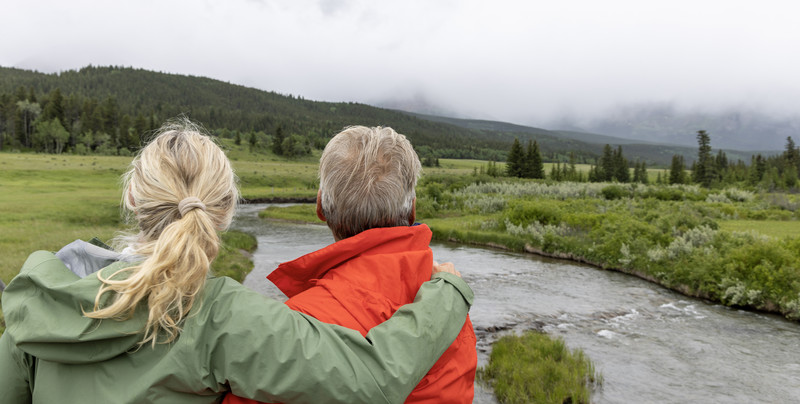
(43, 308)
(379, 252)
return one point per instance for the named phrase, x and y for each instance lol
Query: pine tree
(54, 109)
(703, 172)
(621, 170)
(277, 141)
(533, 166)
(515, 160)
(527, 161)
(676, 173)
(720, 165)
(606, 166)
(792, 154)
(640, 172)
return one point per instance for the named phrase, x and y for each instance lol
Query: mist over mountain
(739, 129)
(745, 129)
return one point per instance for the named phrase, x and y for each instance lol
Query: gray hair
(366, 180)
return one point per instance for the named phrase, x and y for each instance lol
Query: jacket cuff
(459, 284)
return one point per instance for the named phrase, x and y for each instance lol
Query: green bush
(523, 212)
(534, 368)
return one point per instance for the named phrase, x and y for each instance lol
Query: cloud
(524, 62)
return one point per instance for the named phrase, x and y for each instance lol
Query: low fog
(544, 64)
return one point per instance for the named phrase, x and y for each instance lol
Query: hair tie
(187, 204)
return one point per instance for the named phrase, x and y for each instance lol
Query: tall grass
(534, 368)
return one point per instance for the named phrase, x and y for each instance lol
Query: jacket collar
(296, 276)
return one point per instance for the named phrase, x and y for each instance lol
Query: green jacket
(235, 339)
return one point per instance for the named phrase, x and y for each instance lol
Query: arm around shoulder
(272, 353)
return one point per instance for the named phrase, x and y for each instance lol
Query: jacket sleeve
(270, 353)
(15, 371)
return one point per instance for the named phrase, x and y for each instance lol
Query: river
(650, 344)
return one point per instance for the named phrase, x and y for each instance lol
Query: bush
(534, 368)
(526, 212)
(612, 192)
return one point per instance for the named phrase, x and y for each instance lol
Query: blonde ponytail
(181, 190)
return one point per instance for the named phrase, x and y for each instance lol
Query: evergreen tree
(277, 141)
(515, 160)
(140, 127)
(606, 167)
(703, 172)
(677, 175)
(572, 172)
(54, 108)
(554, 172)
(758, 168)
(640, 172)
(532, 163)
(527, 161)
(792, 155)
(537, 164)
(621, 170)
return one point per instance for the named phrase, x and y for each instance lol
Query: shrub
(612, 192)
(525, 212)
(534, 368)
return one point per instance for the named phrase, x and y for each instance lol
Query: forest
(111, 110)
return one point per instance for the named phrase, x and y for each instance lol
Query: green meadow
(49, 200)
(738, 247)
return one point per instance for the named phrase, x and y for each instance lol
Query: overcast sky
(519, 61)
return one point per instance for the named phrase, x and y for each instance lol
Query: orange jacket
(360, 282)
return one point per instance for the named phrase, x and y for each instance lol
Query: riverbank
(674, 236)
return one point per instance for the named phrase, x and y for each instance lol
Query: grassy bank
(534, 368)
(721, 245)
(234, 255)
(730, 246)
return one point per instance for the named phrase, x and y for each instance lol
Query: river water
(651, 345)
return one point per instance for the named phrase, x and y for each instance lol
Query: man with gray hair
(380, 257)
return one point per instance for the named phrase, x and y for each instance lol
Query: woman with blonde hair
(150, 325)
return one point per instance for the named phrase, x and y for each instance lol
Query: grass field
(772, 228)
(48, 201)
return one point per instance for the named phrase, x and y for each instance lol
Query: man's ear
(412, 218)
(320, 215)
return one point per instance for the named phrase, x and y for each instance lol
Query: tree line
(114, 104)
(709, 170)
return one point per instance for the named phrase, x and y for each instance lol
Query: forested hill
(120, 102)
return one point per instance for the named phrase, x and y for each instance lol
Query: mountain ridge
(218, 104)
